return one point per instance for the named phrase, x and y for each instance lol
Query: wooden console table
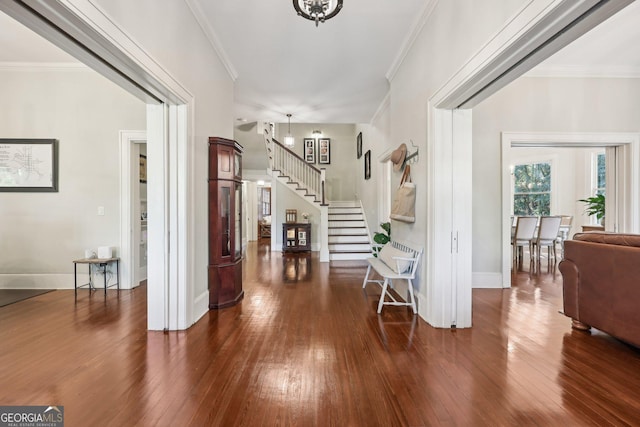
(100, 263)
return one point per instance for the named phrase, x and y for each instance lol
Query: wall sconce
(316, 133)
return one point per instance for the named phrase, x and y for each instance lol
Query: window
(532, 189)
(264, 202)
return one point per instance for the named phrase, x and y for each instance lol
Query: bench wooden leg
(366, 277)
(413, 300)
(384, 292)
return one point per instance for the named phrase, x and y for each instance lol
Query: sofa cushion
(609, 238)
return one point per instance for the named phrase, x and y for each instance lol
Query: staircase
(348, 233)
(343, 229)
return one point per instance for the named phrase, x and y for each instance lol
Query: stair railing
(291, 165)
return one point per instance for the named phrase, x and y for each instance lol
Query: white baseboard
(486, 280)
(43, 281)
(200, 306)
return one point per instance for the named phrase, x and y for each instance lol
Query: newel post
(324, 220)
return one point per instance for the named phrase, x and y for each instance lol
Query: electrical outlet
(101, 210)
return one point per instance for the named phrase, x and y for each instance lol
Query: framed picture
(143, 168)
(310, 150)
(359, 145)
(29, 165)
(367, 164)
(324, 151)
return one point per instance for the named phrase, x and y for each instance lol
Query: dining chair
(524, 235)
(547, 235)
(565, 230)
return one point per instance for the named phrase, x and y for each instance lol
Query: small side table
(100, 263)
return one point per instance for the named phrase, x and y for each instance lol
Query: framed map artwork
(29, 165)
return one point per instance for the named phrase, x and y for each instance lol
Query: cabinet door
(237, 238)
(221, 161)
(220, 221)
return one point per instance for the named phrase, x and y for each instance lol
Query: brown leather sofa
(601, 283)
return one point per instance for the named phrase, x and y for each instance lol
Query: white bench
(405, 259)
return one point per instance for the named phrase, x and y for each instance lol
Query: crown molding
(384, 105)
(43, 66)
(411, 37)
(198, 13)
(582, 71)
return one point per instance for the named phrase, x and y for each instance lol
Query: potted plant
(382, 238)
(595, 206)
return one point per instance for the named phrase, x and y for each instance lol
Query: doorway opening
(622, 171)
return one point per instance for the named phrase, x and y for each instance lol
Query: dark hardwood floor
(306, 348)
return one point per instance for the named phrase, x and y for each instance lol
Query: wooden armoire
(225, 223)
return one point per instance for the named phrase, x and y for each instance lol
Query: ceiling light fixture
(288, 140)
(317, 10)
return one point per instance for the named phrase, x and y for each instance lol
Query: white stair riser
(345, 204)
(344, 211)
(346, 224)
(342, 231)
(348, 239)
(365, 247)
(348, 257)
(345, 217)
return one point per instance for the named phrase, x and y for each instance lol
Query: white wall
(43, 232)
(171, 35)
(452, 34)
(538, 105)
(375, 137)
(341, 184)
(285, 198)
(254, 156)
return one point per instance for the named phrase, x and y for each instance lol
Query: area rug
(9, 296)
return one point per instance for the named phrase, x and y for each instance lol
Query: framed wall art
(309, 150)
(359, 145)
(29, 165)
(367, 164)
(324, 151)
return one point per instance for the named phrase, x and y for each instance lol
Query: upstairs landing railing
(291, 165)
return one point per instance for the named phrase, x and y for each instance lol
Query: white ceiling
(335, 73)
